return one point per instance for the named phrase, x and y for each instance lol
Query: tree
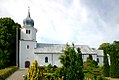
(114, 59)
(7, 42)
(79, 57)
(72, 66)
(106, 68)
(113, 51)
(90, 65)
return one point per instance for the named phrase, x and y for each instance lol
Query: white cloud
(61, 21)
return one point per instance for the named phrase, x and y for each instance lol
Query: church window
(27, 31)
(27, 46)
(46, 59)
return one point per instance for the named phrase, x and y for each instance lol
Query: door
(27, 64)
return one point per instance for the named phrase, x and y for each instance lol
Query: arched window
(27, 31)
(46, 59)
(27, 46)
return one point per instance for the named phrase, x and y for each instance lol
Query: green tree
(106, 68)
(72, 66)
(79, 57)
(90, 64)
(114, 59)
(7, 42)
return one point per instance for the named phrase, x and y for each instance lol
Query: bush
(42, 69)
(49, 68)
(34, 72)
(4, 73)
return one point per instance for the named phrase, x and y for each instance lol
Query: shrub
(4, 73)
(34, 72)
(43, 69)
(54, 68)
(49, 68)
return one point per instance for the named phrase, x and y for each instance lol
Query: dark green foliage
(91, 69)
(79, 57)
(90, 65)
(114, 58)
(49, 68)
(4, 73)
(113, 51)
(106, 68)
(7, 42)
(72, 66)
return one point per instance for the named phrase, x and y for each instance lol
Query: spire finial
(28, 11)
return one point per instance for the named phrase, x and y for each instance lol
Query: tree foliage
(113, 51)
(106, 67)
(114, 59)
(72, 63)
(90, 64)
(7, 42)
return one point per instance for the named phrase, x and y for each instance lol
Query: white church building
(45, 53)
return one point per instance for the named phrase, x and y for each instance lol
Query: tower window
(46, 59)
(27, 31)
(27, 46)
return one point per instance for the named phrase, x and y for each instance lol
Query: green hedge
(4, 73)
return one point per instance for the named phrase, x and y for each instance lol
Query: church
(45, 53)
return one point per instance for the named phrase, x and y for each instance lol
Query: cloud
(60, 21)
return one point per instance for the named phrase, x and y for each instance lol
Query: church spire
(28, 21)
(28, 11)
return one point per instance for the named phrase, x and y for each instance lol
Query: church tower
(28, 32)
(27, 42)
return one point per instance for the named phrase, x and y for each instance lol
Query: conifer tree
(114, 59)
(79, 57)
(72, 66)
(106, 68)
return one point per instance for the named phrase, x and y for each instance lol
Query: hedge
(4, 73)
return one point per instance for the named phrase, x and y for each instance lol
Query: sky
(83, 22)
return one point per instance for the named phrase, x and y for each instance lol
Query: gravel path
(18, 75)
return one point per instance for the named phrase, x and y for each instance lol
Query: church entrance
(27, 64)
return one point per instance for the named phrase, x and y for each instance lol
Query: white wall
(53, 59)
(56, 60)
(41, 59)
(31, 36)
(100, 63)
(26, 54)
